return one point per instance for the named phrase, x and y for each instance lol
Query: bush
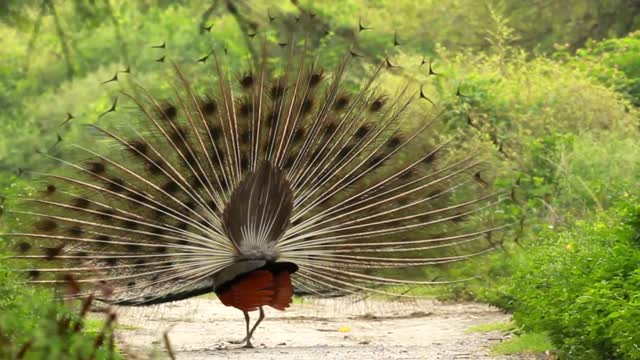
(548, 120)
(37, 325)
(32, 323)
(582, 287)
(570, 148)
(615, 62)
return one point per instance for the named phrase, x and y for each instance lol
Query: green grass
(483, 328)
(298, 300)
(436, 292)
(128, 327)
(528, 343)
(210, 295)
(95, 325)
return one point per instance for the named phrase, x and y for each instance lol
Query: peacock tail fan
(179, 188)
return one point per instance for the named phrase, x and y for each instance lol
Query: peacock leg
(248, 345)
(246, 321)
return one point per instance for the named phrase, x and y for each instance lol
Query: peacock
(286, 178)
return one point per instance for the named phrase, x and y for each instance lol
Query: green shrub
(34, 322)
(582, 287)
(570, 148)
(548, 121)
(529, 343)
(615, 62)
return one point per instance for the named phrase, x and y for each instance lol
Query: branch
(34, 34)
(206, 14)
(242, 23)
(123, 45)
(65, 47)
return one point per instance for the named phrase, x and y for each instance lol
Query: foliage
(582, 287)
(483, 328)
(33, 323)
(542, 116)
(55, 50)
(529, 343)
(615, 62)
(567, 147)
(570, 22)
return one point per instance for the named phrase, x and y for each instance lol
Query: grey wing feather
(258, 212)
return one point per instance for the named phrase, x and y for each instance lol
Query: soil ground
(341, 328)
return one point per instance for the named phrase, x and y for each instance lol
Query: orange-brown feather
(259, 288)
(283, 291)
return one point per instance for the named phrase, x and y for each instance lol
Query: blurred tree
(542, 23)
(46, 43)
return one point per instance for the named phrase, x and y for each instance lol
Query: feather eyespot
(96, 167)
(209, 106)
(80, 202)
(246, 81)
(168, 111)
(362, 131)
(377, 104)
(341, 102)
(23, 247)
(315, 79)
(46, 225)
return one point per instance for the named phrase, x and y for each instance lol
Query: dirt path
(318, 329)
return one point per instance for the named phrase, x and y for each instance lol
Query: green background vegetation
(551, 93)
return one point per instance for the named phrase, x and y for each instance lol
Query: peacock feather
(284, 167)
